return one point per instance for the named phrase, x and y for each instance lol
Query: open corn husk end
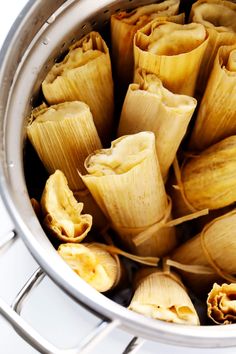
(125, 24)
(63, 135)
(149, 106)
(221, 303)
(163, 297)
(61, 211)
(93, 264)
(85, 74)
(161, 46)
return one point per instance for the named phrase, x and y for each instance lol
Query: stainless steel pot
(42, 31)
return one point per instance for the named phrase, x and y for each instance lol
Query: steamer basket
(42, 32)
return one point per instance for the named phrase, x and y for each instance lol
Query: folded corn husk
(125, 24)
(61, 212)
(126, 182)
(221, 304)
(219, 17)
(162, 296)
(171, 51)
(63, 135)
(92, 263)
(148, 106)
(85, 75)
(208, 179)
(214, 248)
(216, 117)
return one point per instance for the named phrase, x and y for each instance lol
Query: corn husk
(163, 296)
(221, 304)
(148, 106)
(61, 212)
(85, 75)
(216, 117)
(208, 180)
(63, 136)
(219, 17)
(214, 248)
(92, 263)
(126, 182)
(125, 24)
(173, 52)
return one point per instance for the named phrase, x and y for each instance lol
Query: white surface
(49, 310)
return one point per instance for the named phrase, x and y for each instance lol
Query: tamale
(219, 17)
(61, 212)
(85, 75)
(162, 296)
(171, 51)
(126, 182)
(63, 136)
(208, 179)
(221, 303)
(214, 247)
(216, 117)
(92, 263)
(148, 106)
(125, 24)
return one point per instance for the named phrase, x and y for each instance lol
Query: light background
(49, 310)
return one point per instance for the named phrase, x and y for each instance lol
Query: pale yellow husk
(148, 106)
(85, 75)
(124, 25)
(93, 264)
(219, 17)
(209, 179)
(173, 52)
(126, 182)
(221, 303)
(216, 117)
(214, 247)
(63, 136)
(162, 296)
(61, 212)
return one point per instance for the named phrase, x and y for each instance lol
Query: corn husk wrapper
(208, 180)
(216, 117)
(173, 52)
(63, 136)
(213, 249)
(61, 211)
(148, 106)
(219, 17)
(221, 304)
(162, 296)
(126, 182)
(85, 75)
(92, 263)
(124, 25)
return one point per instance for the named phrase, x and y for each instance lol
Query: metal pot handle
(30, 335)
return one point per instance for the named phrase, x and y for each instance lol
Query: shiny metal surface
(44, 30)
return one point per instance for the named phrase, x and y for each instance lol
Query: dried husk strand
(176, 65)
(126, 182)
(95, 265)
(124, 25)
(219, 17)
(216, 117)
(85, 75)
(148, 106)
(161, 295)
(221, 304)
(61, 212)
(214, 247)
(208, 180)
